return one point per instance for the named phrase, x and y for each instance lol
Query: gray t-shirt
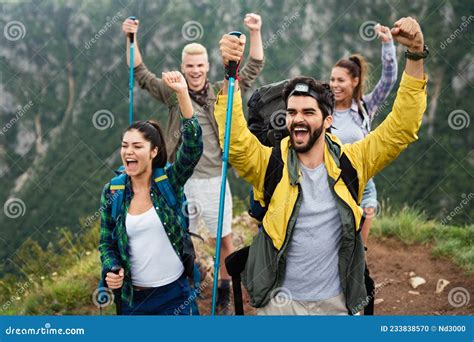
(312, 272)
(345, 127)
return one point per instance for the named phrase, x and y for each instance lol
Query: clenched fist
(130, 26)
(114, 281)
(232, 48)
(407, 32)
(253, 22)
(175, 80)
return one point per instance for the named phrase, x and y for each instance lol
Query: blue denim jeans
(171, 299)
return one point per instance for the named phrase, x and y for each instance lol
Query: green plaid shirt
(113, 244)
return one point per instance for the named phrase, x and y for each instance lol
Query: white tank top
(154, 261)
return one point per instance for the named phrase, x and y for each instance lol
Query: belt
(141, 288)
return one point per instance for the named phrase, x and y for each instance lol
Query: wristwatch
(417, 55)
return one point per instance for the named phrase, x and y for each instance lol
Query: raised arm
(191, 147)
(146, 79)
(246, 154)
(254, 65)
(382, 89)
(401, 126)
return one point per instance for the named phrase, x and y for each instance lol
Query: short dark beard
(313, 137)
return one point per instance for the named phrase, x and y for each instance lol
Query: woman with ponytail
(355, 109)
(145, 242)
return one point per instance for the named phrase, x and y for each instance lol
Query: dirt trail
(390, 263)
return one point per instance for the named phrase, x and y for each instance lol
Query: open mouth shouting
(300, 133)
(131, 164)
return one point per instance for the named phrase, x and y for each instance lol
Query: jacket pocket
(260, 273)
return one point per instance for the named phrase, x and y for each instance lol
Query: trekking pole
(130, 85)
(225, 157)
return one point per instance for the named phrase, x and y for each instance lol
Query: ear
(355, 82)
(182, 68)
(328, 121)
(207, 67)
(153, 152)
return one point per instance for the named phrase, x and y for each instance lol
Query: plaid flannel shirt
(375, 98)
(113, 244)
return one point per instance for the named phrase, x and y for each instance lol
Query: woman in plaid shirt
(355, 111)
(146, 240)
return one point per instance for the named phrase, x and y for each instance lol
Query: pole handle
(131, 36)
(231, 69)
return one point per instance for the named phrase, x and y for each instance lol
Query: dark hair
(357, 67)
(151, 131)
(325, 96)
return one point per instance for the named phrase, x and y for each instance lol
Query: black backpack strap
(370, 288)
(273, 174)
(349, 176)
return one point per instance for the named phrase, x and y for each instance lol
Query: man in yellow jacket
(309, 257)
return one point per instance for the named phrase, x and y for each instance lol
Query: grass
(411, 226)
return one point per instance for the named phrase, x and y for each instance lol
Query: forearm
(256, 45)
(415, 68)
(137, 57)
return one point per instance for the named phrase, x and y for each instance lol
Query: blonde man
(202, 189)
